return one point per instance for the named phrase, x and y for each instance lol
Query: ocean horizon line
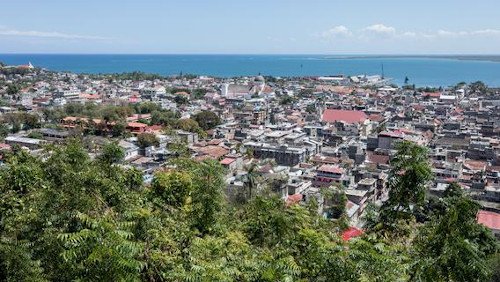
(257, 54)
(420, 69)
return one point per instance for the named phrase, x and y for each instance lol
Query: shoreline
(422, 70)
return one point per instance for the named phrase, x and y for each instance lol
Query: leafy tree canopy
(207, 119)
(147, 139)
(65, 216)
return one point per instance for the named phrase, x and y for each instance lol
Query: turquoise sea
(422, 71)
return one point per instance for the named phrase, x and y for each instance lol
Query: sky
(250, 27)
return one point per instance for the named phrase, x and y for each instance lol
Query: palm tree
(251, 179)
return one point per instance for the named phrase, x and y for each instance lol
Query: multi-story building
(282, 154)
(327, 175)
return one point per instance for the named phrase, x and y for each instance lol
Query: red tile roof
(432, 94)
(418, 107)
(376, 117)
(331, 169)
(214, 142)
(349, 204)
(293, 199)
(137, 125)
(347, 116)
(133, 99)
(154, 128)
(489, 219)
(90, 96)
(305, 165)
(351, 233)
(319, 159)
(227, 161)
(475, 165)
(493, 168)
(4, 146)
(378, 159)
(213, 151)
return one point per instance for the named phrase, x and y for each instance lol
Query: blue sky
(250, 27)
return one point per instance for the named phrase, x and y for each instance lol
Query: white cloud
(447, 33)
(481, 32)
(409, 34)
(336, 31)
(378, 31)
(487, 32)
(381, 29)
(44, 34)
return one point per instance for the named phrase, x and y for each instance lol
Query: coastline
(422, 70)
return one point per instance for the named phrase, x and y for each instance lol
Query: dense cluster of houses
(298, 136)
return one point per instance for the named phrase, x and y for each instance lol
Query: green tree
(17, 264)
(181, 100)
(207, 119)
(453, 190)
(167, 118)
(13, 89)
(207, 196)
(16, 127)
(146, 107)
(174, 187)
(179, 149)
(277, 183)
(111, 153)
(147, 139)
(453, 246)
(308, 92)
(479, 87)
(104, 250)
(74, 109)
(21, 179)
(4, 131)
(229, 257)
(30, 121)
(335, 201)
(65, 216)
(376, 259)
(189, 125)
(495, 266)
(408, 178)
(198, 93)
(119, 129)
(311, 108)
(250, 182)
(286, 100)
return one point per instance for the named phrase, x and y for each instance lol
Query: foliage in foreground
(66, 217)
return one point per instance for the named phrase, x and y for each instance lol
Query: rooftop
(489, 219)
(331, 169)
(347, 116)
(351, 232)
